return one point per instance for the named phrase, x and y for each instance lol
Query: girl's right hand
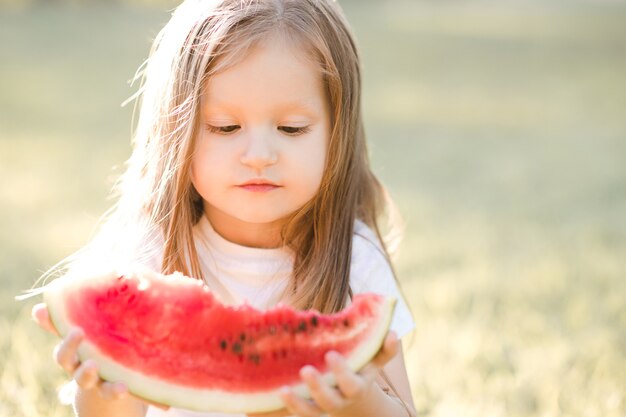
(86, 373)
(65, 355)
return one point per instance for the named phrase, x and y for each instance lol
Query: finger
(350, 384)
(299, 406)
(152, 403)
(40, 314)
(65, 352)
(86, 375)
(279, 413)
(119, 390)
(112, 390)
(326, 397)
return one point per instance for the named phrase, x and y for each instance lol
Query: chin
(263, 218)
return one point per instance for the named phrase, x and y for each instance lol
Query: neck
(255, 235)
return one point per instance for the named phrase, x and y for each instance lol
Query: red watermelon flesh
(171, 340)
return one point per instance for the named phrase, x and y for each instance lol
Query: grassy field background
(499, 127)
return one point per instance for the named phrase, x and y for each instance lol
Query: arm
(390, 396)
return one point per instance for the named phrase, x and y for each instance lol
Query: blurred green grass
(499, 129)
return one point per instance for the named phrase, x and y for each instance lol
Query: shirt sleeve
(370, 272)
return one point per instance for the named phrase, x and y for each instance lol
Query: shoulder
(141, 247)
(371, 271)
(370, 268)
(120, 246)
(365, 243)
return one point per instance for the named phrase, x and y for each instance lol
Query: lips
(259, 185)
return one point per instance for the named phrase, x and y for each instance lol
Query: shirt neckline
(232, 256)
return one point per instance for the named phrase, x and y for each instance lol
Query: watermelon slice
(172, 341)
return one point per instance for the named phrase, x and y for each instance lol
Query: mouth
(259, 185)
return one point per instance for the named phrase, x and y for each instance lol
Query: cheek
(311, 166)
(318, 170)
(197, 167)
(203, 170)
(319, 157)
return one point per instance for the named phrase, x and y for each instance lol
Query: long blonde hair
(156, 197)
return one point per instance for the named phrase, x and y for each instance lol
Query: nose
(259, 153)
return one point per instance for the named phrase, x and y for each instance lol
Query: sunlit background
(499, 127)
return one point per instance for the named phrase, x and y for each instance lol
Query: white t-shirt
(241, 274)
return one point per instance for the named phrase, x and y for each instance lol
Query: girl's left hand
(351, 387)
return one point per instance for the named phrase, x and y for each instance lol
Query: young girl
(250, 172)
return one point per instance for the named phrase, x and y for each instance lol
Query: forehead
(272, 72)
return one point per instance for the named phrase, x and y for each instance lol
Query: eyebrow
(293, 106)
(297, 106)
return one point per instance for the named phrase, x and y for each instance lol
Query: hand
(85, 374)
(351, 387)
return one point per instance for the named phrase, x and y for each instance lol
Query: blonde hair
(157, 197)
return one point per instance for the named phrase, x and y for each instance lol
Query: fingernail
(307, 372)
(332, 357)
(119, 389)
(76, 332)
(284, 392)
(34, 311)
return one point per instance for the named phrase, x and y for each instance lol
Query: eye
(294, 131)
(223, 130)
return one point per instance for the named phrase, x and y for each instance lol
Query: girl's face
(261, 147)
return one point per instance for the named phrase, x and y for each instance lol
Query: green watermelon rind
(197, 399)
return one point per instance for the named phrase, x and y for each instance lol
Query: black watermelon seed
(242, 337)
(237, 347)
(254, 358)
(314, 321)
(346, 323)
(302, 326)
(223, 344)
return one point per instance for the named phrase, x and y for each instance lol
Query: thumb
(40, 314)
(388, 350)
